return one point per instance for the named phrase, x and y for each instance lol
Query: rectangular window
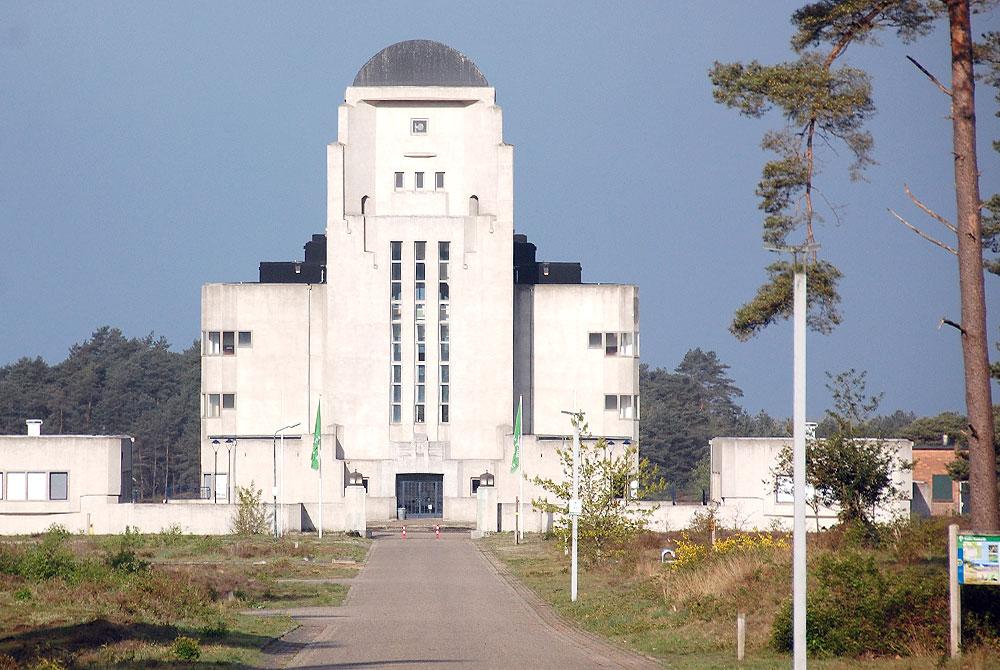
(625, 407)
(214, 343)
(443, 292)
(228, 343)
(398, 180)
(444, 332)
(244, 339)
(444, 413)
(611, 344)
(626, 344)
(1, 486)
(420, 251)
(396, 248)
(594, 341)
(439, 180)
(443, 312)
(397, 374)
(58, 485)
(444, 250)
(397, 352)
(37, 486)
(213, 405)
(421, 396)
(418, 180)
(419, 312)
(444, 374)
(420, 273)
(397, 393)
(443, 271)
(17, 486)
(475, 485)
(228, 401)
(418, 414)
(421, 352)
(395, 311)
(444, 351)
(397, 269)
(397, 413)
(421, 374)
(611, 403)
(941, 490)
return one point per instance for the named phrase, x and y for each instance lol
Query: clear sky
(148, 148)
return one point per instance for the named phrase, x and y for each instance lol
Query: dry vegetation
(159, 600)
(891, 597)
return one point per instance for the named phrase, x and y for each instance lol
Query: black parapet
(312, 270)
(528, 270)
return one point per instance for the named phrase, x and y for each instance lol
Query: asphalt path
(441, 603)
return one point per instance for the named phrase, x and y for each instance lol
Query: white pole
(576, 497)
(520, 493)
(799, 469)
(954, 592)
(320, 478)
(281, 486)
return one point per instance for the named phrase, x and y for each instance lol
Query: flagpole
(320, 468)
(520, 478)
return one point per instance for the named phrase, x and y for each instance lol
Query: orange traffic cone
(404, 532)
(437, 532)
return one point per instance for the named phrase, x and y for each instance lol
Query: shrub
(22, 594)
(689, 553)
(251, 514)
(857, 608)
(186, 648)
(50, 558)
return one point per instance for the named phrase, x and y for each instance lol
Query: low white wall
(193, 517)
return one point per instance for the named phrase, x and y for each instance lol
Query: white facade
(420, 340)
(743, 486)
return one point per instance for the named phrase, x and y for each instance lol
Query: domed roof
(419, 63)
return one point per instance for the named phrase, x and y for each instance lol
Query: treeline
(111, 384)
(684, 408)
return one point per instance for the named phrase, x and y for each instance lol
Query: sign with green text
(979, 558)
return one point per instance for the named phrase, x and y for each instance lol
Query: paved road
(426, 603)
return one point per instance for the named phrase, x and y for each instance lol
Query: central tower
(418, 353)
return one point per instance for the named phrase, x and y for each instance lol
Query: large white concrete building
(416, 322)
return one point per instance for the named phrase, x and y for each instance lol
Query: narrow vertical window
(396, 329)
(419, 328)
(444, 331)
(228, 343)
(398, 180)
(214, 343)
(438, 181)
(418, 180)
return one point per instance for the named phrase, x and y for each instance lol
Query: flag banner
(515, 462)
(317, 440)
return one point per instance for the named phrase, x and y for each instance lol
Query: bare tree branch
(930, 212)
(922, 233)
(952, 324)
(944, 89)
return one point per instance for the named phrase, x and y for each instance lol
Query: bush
(251, 514)
(50, 558)
(186, 648)
(856, 608)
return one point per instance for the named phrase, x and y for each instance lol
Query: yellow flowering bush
(689, 553)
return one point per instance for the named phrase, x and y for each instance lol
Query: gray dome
(419, 63)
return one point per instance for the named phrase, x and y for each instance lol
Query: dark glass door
(421, 495)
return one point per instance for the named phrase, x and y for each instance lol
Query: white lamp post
(575, 507)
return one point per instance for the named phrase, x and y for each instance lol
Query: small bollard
(404, 532)
(741, 635)
(437, 532)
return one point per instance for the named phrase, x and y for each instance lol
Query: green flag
(317, 440)
(515, 462)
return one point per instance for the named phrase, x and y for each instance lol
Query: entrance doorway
(421, 495)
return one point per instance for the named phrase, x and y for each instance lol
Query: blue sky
(148, 148)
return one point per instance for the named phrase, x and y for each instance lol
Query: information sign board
(979, 558)
(575, 506)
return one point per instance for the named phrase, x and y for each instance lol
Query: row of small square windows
(34, 486)
(418, 181)
(225, 342)
(627, 406)
(215, 402)
(615, 344)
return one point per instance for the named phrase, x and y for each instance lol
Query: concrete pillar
(486, 509)
(354, 509)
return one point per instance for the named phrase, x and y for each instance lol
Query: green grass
(63, 599)
(687, 619)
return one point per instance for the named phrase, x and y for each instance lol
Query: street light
(231, 480)
(355, 479)
(799, 254)
(486, 479)
(575, 507)
(215, 473)
(274, 465)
